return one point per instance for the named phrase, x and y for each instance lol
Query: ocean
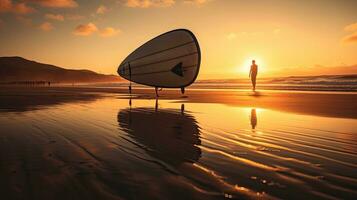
(345, 83)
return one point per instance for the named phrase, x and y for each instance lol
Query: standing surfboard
(170, 60)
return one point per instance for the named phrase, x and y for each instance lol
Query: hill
(17, 69)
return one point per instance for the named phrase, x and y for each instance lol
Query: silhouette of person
(253, 118)
(253, 73)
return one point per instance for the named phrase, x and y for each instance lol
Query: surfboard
(170, 60)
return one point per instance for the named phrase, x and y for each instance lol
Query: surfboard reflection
(167, 134)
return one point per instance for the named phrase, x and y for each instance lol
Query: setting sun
(244, 67)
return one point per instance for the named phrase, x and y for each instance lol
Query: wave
(347, 83)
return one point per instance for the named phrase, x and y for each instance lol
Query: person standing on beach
(253, 73)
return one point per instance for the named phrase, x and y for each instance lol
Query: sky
(286, 38)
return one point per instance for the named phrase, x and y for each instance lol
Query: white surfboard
(171, 60)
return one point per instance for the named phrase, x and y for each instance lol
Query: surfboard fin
(183, 90)
(178, 69)
(156, 92)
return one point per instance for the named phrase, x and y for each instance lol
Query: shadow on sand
(255, 94)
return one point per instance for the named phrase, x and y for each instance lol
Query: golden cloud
(56, 3)
(197, 2)
(350, 38)
(109, 32)
(16, 8)
(351, 27)
(101, 9)
(22, 8)
(85, 29)
(149, 3)
(57, 17)
(5, 5)
(46, 26)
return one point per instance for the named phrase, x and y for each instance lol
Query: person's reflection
(253, 118)
(169, 135)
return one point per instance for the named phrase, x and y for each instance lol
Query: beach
(88, 142)
(329, 104)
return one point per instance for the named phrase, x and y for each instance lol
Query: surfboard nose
(118, 70)
(121, 69)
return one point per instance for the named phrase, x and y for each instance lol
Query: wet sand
(99, 143)
(328, 104)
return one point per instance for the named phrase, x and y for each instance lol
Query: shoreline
(326, 104)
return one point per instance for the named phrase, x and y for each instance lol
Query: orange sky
(285, 37)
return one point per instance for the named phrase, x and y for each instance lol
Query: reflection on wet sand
(22, 101)
(253, 118)
(167, 135)
(172, 138)
(164, 150)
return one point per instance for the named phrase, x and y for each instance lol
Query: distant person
(253, 118)
(253, 73)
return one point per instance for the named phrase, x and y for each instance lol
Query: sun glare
(245, 66)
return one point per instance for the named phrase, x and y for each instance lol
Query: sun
(244, 67)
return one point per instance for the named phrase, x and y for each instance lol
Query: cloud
(46, 26)
(85, 29)
(57, 17)
(109, 32)
(56, 3)
(197, 2)
(231, 36)
(7, 6)
(351, 27)
(101, 9)
(350, 38)
(90, 28)
(149, 3)
(22, 9)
